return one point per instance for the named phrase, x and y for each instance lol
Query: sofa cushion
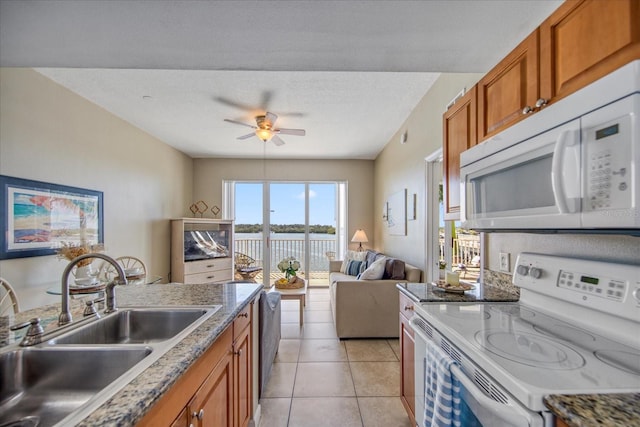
(394, 269)
(352, 256)
(354, 267)
(370, 257)
(375, 271)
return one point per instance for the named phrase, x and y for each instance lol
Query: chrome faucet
(110, 291)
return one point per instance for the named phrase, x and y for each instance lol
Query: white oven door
(478, 409)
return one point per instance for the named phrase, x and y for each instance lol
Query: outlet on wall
(504, 262)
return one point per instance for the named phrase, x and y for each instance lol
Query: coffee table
(300, 294)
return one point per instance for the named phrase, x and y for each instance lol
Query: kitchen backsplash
(499, 280)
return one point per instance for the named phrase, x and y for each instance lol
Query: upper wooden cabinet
(459, 125)
(509, 88)
(585, 40)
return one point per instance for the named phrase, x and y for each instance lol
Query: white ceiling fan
(265, 129)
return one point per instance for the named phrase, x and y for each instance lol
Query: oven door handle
(499, 412)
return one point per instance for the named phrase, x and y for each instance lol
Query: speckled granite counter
(130, 403)
(426, 292)
(596, 410)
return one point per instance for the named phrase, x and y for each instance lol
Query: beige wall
(401, 166)
(48, 133)
(625, 249)
(209, 174)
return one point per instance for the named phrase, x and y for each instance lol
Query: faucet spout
(65, 314)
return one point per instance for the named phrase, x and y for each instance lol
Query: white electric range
(575, 330)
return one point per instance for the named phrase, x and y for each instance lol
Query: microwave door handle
(567, 138)
(507, 412)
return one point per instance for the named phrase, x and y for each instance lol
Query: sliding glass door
(277, 220)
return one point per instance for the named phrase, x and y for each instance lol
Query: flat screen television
(205, 244)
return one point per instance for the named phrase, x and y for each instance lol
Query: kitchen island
(132, 402)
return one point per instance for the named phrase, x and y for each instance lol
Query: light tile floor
(318, 380)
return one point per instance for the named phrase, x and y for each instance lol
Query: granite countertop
(426, 292)
(596, 410)
(127, 406)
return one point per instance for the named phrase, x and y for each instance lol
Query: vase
(85, 272)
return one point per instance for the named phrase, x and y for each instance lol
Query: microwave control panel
(608, 167)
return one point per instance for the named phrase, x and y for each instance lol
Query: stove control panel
(608, 287)
(604, 287)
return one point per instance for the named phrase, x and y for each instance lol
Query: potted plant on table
(289, 266)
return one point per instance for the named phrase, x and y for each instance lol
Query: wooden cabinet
(216, 391)
(242, 370)
(582, 41)
(509, 88)
(585, 40)
(212, 405)
(201, 250)
(459, 126)
(407, 344)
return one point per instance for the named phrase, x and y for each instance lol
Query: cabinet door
(182, 420)
(242, 377)
(212, 405)
(407, 381)
(459, 126)
(510, 87)
(585, 40)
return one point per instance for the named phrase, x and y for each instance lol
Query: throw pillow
(349, 256)
(370, 257)
(354, 267)
(374, 271)
(394, 269)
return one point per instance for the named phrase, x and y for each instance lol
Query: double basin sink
(79, 368)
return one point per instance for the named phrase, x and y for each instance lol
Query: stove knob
(536, 273)
(522, 270)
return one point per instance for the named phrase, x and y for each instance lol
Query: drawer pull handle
(210, 266)
(408, 307)
(527, 110)
(210, 277)
(238, 353)
(199, 415)
(245, 315)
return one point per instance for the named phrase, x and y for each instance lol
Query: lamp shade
(359, 237)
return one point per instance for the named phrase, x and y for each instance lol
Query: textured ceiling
(349, 72)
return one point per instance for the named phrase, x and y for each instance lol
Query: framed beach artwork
(37, 217)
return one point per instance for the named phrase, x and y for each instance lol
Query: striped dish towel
(441, 390)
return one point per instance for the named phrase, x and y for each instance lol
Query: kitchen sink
(41, 386)
(65, 378)
(133, 326)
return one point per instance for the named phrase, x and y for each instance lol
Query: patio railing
(283, 248)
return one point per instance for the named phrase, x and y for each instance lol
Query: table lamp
(359, 237)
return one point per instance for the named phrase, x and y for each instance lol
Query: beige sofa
(366, 308)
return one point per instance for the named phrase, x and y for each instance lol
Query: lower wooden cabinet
(216, 391)
(407, 344)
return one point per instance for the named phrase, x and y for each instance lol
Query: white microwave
(572, 166)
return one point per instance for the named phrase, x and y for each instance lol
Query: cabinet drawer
(208, 277)
(406, 306)
(194, 267)
(241, 321)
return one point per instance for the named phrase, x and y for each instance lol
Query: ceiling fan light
(264, 134)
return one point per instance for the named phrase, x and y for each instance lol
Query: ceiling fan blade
(277, 140)
(247, 136)
(271, 118)
(299, 132)
(240, 123)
